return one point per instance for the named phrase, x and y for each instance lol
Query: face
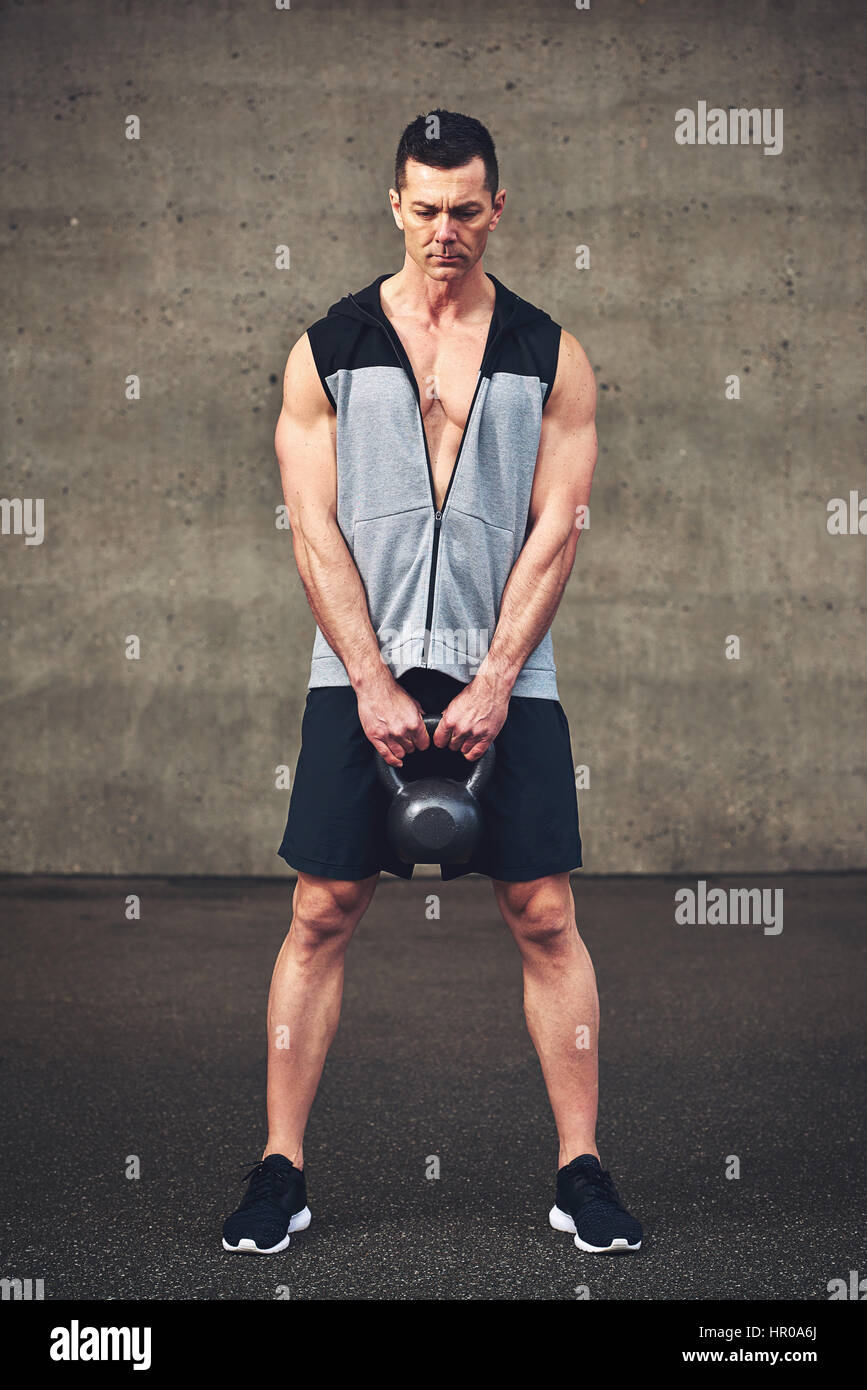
(445, 216)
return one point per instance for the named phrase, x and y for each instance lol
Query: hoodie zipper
(404, 362)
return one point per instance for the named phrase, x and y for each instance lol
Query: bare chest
(446, 367)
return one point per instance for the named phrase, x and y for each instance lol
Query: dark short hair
(459, 139)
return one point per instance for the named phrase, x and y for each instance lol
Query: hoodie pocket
(392, 555)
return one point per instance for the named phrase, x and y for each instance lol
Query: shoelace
(262, 1184)
(601, 1181)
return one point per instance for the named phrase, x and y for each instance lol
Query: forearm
(530, 601)
(336, 596)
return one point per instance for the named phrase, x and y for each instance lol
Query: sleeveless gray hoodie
(434, 577)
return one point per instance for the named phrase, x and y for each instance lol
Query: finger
(389, 748)
(443, 735)
(473, 751)
(461, 739)
(420, 736)
(400, 741)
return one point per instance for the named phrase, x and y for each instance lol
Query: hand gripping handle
(477, 780)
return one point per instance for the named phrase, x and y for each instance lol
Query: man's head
(446, 197)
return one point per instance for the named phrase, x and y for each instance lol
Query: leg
(561, 1005)
(304, 1001)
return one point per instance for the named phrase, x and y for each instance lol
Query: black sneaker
(588, 1205)
(275, 1205)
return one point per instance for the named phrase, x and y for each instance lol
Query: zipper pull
(438, 518)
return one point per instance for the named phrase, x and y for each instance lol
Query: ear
(497, 210)
(394, 199)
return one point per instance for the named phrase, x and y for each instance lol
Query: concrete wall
(156, 257)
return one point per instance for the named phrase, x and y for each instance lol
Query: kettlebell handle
(477, 780)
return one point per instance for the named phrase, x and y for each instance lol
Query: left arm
(531, 597)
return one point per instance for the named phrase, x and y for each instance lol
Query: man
(436, 448)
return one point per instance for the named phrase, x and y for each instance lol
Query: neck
(410, 291)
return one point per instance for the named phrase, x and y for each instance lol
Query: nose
(445, 230)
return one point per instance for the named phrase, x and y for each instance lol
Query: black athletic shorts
(337, 810)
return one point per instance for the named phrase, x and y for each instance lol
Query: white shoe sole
(299, 1222)
(561, 1221)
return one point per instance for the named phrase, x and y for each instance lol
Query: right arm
(306, 445)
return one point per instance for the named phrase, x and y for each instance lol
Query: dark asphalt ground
(147, 1038)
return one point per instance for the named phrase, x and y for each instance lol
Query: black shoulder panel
(531, 350)
(340, 343)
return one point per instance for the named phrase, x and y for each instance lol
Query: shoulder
(325, 337)
(560, 359)
(305, 391)
(573, 363)
(575, 381)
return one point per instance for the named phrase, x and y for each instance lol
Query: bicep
(568, 447)
(305, 440)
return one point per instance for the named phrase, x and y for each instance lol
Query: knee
(327, 911)
(542, 918)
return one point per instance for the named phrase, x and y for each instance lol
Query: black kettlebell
(435, 820)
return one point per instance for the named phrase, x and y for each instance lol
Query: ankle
(567, 1153)
(286, 1151)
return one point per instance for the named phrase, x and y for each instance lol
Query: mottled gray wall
(708, 516)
